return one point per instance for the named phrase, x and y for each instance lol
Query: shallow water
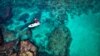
(81, 17)
(85, 31)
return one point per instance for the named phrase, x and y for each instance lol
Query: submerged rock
(59, 41)
(24, 17)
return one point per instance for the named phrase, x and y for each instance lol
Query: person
(36, 20)
(36, 23)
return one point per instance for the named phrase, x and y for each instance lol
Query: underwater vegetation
(52, 37)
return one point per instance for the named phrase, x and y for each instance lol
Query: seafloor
(67, 27)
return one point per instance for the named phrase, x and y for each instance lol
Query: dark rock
(24, 17)
(1, 19)
(6, 13)
(1, 38)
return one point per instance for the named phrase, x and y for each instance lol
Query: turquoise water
(60, 21)
(85, 30)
